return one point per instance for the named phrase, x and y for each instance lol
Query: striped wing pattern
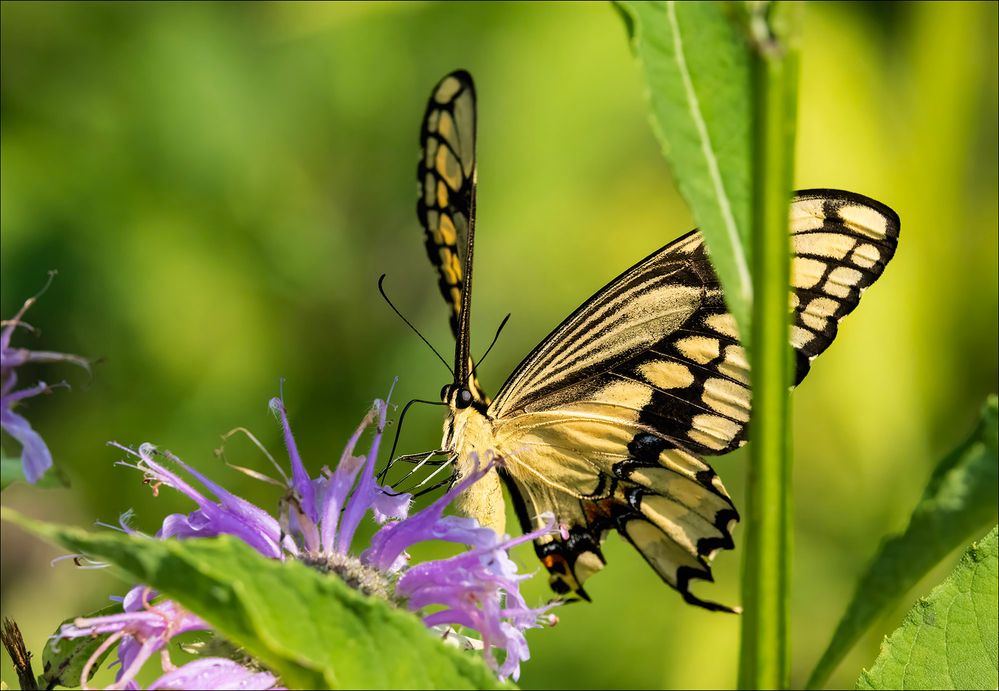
(606, 423)
(446, 182)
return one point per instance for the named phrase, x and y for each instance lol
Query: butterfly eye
(464, 398)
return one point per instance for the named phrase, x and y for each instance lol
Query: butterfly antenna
(495, 338)
(381, 290)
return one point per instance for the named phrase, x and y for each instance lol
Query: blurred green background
(220, 187)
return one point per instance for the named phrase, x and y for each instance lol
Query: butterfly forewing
(445, 176)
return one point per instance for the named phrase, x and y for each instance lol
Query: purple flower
(143, 630)
(473, 597)
(35, 455)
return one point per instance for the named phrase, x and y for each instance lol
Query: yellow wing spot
(822, 307)
(433, 217)
(448, 233)
(672, 518)
(832, 245)
(865, 256)
(456, 267)
(806, 215)
(795, 301)
(813, 322)
(446, 129)
(447, 89)
(699, 349)
(630, 396)
(682, 461)
(717, 484)
(841, 281)
(666, 374)
(723, 323)
(664, 555)
(800, 337)
(450, 266)
(864, 220)
(431, 152)
(805, 272)
(432, 120)
(661, 480)
(713, 431)
(456, 297)
(429, 190)
(735, 364)
(448, 168)
(441, 194)
(728, 398)
(587, 564)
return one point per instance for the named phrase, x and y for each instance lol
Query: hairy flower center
(358, 576)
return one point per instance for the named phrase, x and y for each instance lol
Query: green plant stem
(764, 656)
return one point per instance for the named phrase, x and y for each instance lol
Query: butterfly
(608, 421)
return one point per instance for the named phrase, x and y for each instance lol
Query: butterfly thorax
(469, 432)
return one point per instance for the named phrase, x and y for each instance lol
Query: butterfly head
(458, 397)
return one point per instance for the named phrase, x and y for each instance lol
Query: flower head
(35, 455)
(476, 591)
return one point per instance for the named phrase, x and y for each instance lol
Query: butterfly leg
(419, 461)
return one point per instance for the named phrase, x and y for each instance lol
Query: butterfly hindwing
(607, 421)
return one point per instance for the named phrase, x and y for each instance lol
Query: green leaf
(950, 639)
(63, 660)
(697, 69)
(961, 498)
(312, 630)
(12, 470)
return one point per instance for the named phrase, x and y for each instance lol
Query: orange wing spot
(556, 563)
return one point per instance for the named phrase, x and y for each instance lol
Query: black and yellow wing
(607, 422)
(446, 179)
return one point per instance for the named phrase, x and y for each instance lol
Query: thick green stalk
(765, 655)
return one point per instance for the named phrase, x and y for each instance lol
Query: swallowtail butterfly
(608, 421)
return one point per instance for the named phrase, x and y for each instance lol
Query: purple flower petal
(388, 506)
(214, 673)
(35, 455)
(429, 524)
(367, 489)
(301, 482)
(141, 633)
(231, 515)
(340, 482)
